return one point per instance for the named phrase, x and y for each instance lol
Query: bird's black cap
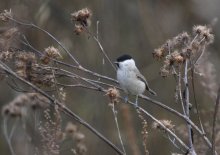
(123, 58)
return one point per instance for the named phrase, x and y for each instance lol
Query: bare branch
(214, 121)
(62, 107)
(186, 97)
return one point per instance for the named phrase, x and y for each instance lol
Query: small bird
(130, 78)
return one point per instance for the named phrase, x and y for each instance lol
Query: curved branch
(62, 107)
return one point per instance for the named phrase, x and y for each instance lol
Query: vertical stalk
(192, 150)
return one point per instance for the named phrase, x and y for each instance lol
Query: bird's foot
(136, 102)
(126, 99)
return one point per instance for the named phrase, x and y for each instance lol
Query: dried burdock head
(50, 52)
(47, 80)
(177, 58)
(113, 95)
(16, 108)
(38, 101)
(82, 17)
(81, 149)
(167, 123)
(178, 42)
(78, 136)
(5, 15)
(204, 34)
(209, 38)
(60, 136)
(12, 110)
(164, 71)
(159, 53)
(199, 29)
(71, 128)
(181, 40)
(24, 64)
(28, 68)
(78, 29)
(6, 55)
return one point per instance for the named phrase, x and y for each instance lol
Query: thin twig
(164, 127)
(46, 32)
(180, 91)
(81, 68)
(214, 121)
(117, 126)
(100, 46)
(7, 135)
(184, 117)
(195, 100)
(62, 107)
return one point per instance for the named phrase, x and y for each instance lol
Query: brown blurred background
(133, 27)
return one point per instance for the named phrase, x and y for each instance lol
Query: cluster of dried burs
(32, 107)
(175, 51)
(38, 69)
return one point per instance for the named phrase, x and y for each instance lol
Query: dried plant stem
(47, 33)
(165, 128)
(117, 126)
(96, 38)
(180, 90)
(190, 133)
(196, 104)
(62, 107)
(214, 122)
(184, 117)
(7, 136)
(80, 67)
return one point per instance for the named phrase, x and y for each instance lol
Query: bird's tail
(151, 92)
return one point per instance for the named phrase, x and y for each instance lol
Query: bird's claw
(126, 99)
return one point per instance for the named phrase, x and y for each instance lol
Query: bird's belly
(134, 87)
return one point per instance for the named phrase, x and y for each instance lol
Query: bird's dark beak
(116, 63)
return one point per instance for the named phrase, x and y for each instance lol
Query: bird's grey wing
(142, 78)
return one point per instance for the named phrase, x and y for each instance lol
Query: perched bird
(130, 78)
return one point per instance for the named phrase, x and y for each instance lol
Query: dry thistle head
(5, 15)
(199, 29)
(177, 58)
(81, 149)
(181, 40)
(6, 55)
(167, 123)
(71, 128)
(50, 52)
(24, 64)
(12, 110)
(113, 95)
(204, 33)
(16, 108)
(159, 53)
(38, 101)
(78, 136)
(164, 72)
(82, 17)
(78, 29)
